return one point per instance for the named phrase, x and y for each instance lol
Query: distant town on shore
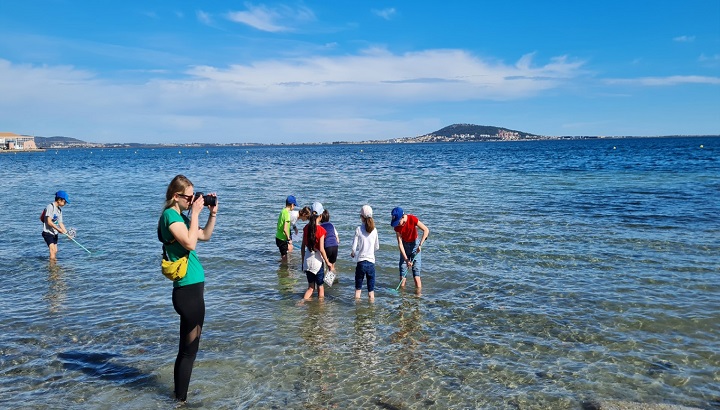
(453, 133)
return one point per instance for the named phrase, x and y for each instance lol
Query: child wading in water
(406, 227)
(365, 242)
(53, 222)
(283, 238)
(332, 240)
(295, 216)
(314, 243)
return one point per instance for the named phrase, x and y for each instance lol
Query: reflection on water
(56, 293)
(409, 337)
(287, 279)
(319, 332)
(364, 344)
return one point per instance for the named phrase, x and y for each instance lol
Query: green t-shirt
(175, 251)
(282, 220)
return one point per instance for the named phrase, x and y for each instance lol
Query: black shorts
(50, 238)
(282, 245)
(331, 252)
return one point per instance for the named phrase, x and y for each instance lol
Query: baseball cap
(366, 211)
(317, 208)
(397, 214)
(63, 195)
(291, 200)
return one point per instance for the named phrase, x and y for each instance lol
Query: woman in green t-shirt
(181, 235)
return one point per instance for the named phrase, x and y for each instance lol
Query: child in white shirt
(363, 248)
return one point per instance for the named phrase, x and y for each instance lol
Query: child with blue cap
(406, 227)
(53, 222)
(283, 238)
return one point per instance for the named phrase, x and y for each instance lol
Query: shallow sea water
(556, 273)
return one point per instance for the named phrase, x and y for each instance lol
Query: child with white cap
(363, 248)
(314, 243)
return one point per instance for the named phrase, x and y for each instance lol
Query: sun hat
(291, 200)
(366, 211)
(317, 208)
(397, 214)
(62, 195)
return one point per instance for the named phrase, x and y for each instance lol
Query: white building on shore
(10, 141)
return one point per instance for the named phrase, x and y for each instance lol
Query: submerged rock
(628, 405)
(660, 367)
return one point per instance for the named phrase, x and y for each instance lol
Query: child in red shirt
(314, 243)
(406, 227)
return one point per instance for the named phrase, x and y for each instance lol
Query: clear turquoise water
(556, 272)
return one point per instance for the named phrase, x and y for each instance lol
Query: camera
(210, 200)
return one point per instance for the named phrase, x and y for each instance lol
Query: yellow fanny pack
(175, 270)
(172, 270)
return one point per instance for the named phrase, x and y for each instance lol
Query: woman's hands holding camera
(213, 205)
(201, 200)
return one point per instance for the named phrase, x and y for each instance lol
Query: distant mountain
(479, 130)
(470, 133)
(47, 142)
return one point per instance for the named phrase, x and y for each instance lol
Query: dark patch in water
(383, 403)
(547, 375)
(99, 365)
(589, 405)
(660, 367)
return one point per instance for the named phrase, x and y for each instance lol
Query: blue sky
(317, 71)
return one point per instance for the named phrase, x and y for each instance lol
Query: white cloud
(204, 17)
(434, 75)
(276, 19)
(374, 94)
(386, 13)
(666, 81)
(711, 60)
(313, 98)
(684, 39)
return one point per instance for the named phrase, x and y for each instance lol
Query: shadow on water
(101, 366)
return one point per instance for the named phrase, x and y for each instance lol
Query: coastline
(413, 141)
(15, 151)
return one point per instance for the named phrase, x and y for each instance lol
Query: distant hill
(47, 142)
(470, 133)
(479, 130)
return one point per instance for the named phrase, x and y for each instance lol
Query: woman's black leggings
(189, 303)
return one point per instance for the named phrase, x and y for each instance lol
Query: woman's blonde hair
(177, 186)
